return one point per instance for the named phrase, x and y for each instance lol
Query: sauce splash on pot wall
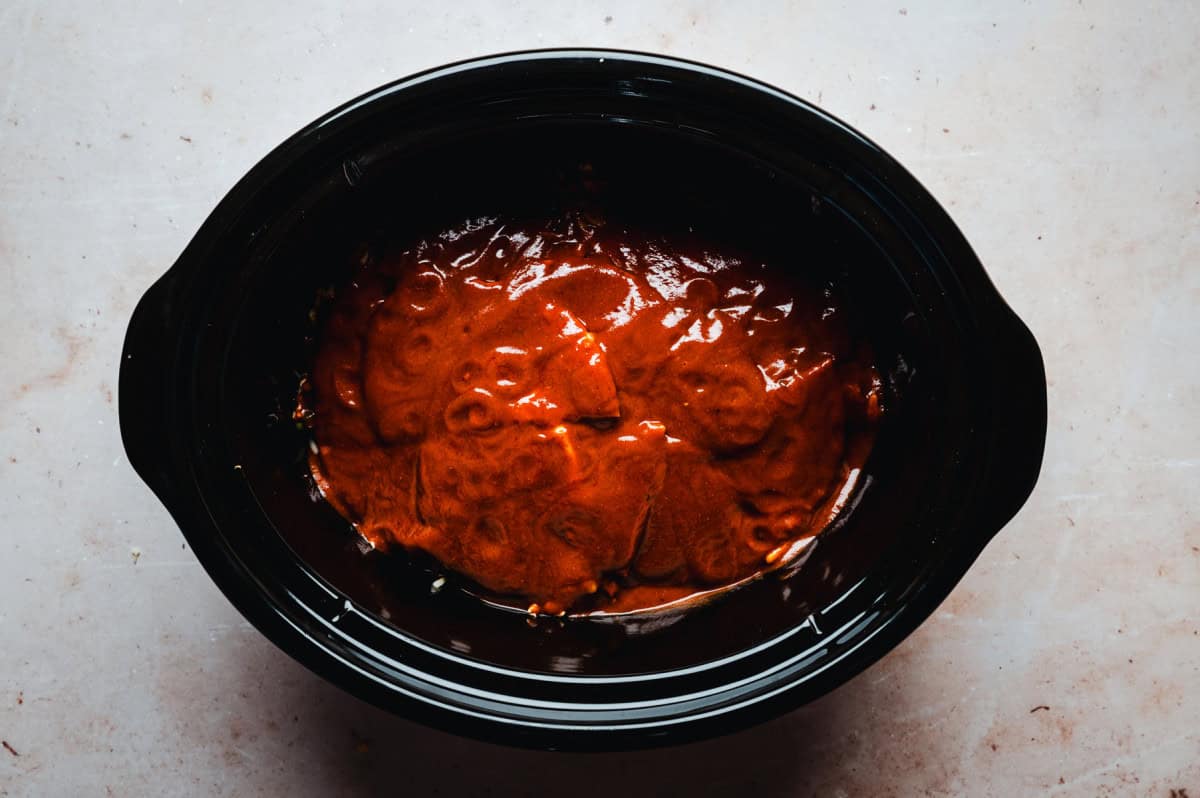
(575, 414)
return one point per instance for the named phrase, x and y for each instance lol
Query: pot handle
(143, 402)
(1019, 422)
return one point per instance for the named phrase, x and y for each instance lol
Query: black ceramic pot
(215, 349)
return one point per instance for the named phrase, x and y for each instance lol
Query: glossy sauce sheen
(574, 414)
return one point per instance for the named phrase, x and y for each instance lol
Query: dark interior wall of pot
(797, 214)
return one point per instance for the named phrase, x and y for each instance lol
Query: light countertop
(1063, 137)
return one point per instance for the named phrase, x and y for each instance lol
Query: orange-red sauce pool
(575, 414)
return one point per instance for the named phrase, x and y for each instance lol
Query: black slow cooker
(216, 349)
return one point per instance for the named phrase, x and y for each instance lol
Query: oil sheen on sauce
(577, 415)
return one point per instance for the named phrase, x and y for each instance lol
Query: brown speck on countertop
(9, 748)
(945, 130)
(1039, 706)
(12, 459)
(872, 106)
(188, 139)
(1179, 792)
(20, 698)
(608, 20)
(904, 12)
(126, 136)
(136, 554)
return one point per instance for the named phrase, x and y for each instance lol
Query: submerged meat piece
(551, 409)
(541, 512)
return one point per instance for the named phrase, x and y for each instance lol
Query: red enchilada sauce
(577, 414)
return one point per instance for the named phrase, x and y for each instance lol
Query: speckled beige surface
(1063, 137)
